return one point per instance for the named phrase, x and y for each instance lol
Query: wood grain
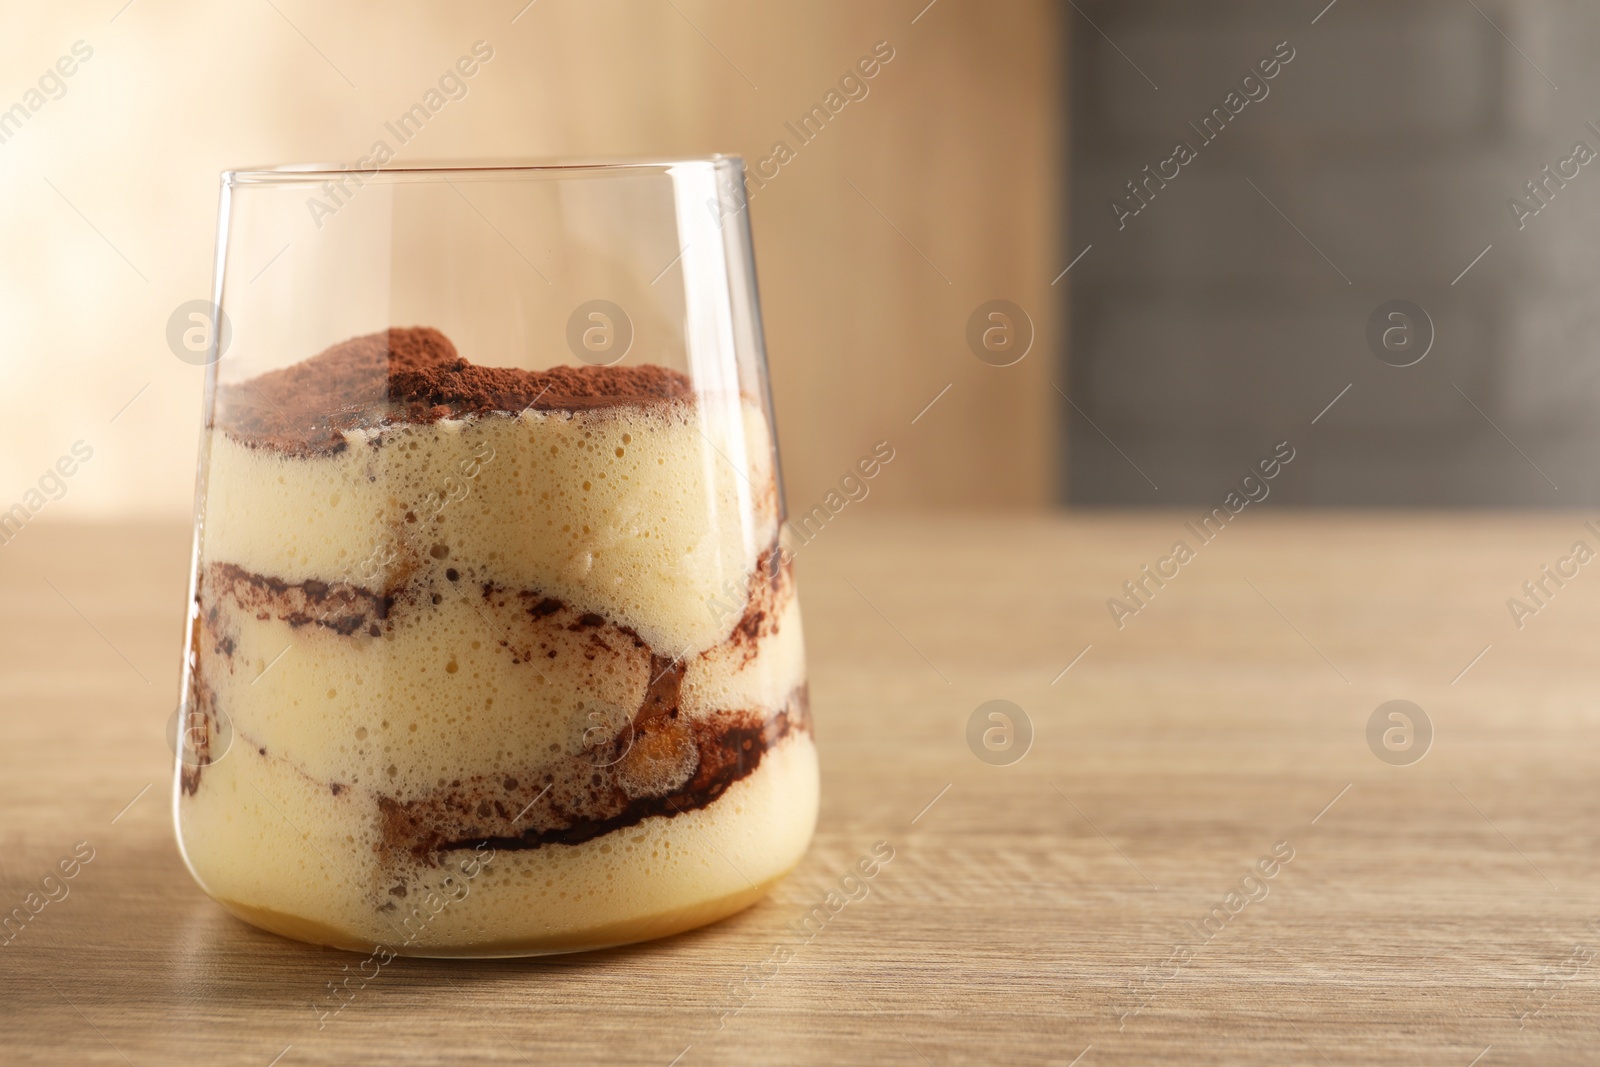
(1031, 911)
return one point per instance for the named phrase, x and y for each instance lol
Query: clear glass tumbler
(492, 648)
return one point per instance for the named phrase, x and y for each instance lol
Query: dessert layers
(479, 621)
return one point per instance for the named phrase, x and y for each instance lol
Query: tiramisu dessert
(471, 630)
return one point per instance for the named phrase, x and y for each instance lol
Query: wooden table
(1074, 903)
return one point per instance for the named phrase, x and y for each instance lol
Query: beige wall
(111, 194)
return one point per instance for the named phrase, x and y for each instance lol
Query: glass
(492, 647)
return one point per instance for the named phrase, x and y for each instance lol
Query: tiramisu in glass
(499, 637)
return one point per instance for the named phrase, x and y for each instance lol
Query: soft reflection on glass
(493, 649)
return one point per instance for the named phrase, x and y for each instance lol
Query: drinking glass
(491, 649)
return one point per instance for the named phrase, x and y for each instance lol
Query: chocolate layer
(657, 762)
(198, 738)
(414, 375)
(579, 798)
(342, 607)
(347, 608)
(773, 574)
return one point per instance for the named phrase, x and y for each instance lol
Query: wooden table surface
(1071, 907)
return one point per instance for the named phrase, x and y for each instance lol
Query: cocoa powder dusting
(414, 375)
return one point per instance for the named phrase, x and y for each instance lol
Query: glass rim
(316, 173)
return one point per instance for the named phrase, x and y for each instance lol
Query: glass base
(604, 935)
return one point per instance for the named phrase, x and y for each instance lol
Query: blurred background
(1378, 164)
(936, 192)
(1000, 155)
